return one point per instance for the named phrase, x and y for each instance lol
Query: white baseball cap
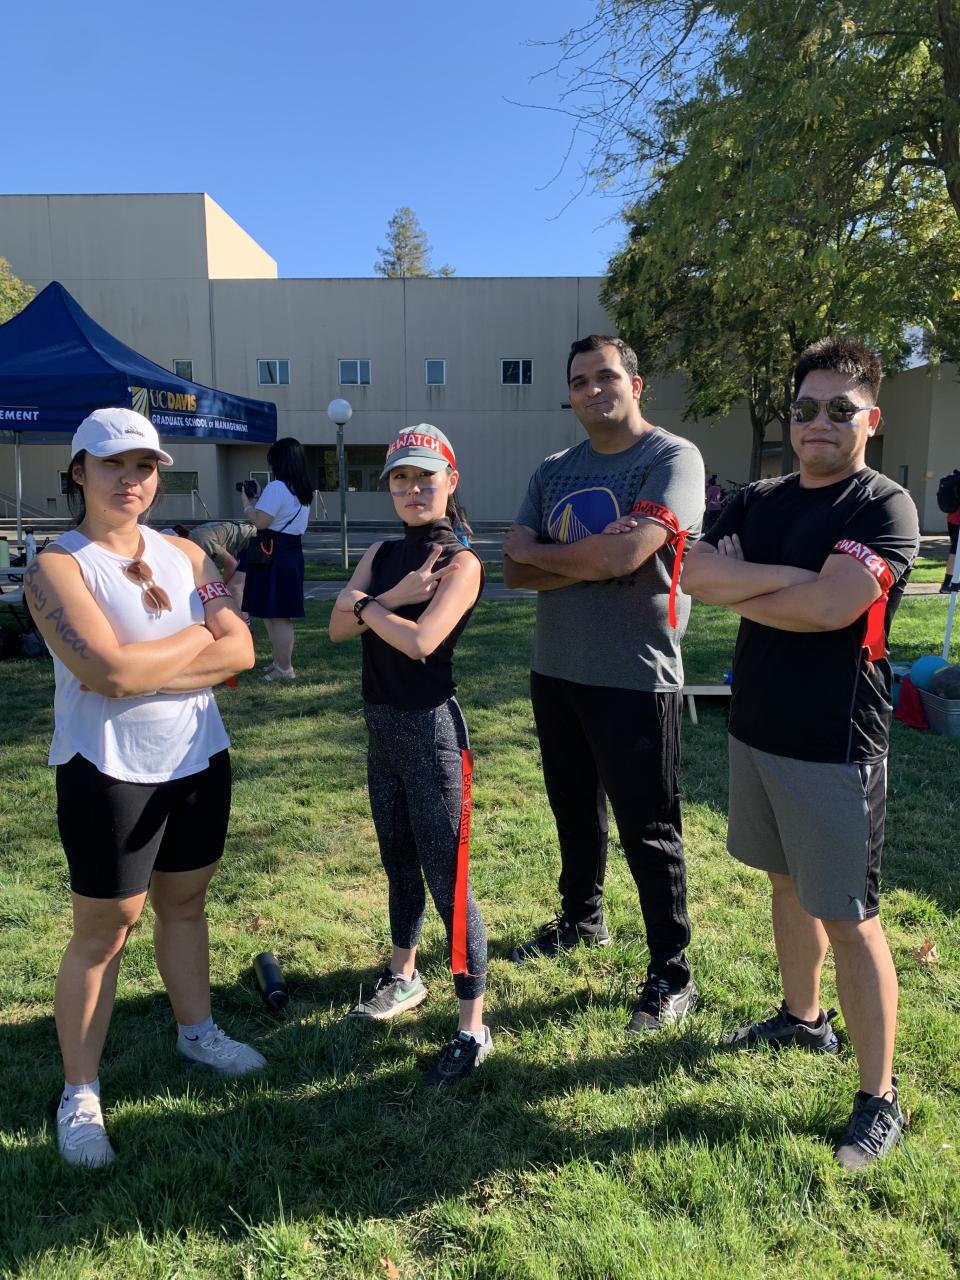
(108, 431)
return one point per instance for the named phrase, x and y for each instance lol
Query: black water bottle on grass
(270, 981)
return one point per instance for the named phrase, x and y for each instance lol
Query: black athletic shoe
(460, 1056)
(559, 934)
(876, 1126)
(781, 1032)
(658, 1006)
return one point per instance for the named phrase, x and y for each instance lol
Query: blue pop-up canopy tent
(57, 365)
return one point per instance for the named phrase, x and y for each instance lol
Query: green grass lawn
(927, 569)
(576, 1151)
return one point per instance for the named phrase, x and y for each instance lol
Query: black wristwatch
(359, 607)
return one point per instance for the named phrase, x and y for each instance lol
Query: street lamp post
(340, 412)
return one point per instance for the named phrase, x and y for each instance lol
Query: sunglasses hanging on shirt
(154, 599)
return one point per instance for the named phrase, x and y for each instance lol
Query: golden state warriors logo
(581, 513)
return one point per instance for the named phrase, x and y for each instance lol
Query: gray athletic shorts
(820, 824)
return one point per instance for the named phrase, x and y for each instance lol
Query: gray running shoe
(658, 1006)
(460, 1056)
(219, 1053)
(81, 1136)
(391, 996)
(559, 934)
(781, 1032)
(876, 1126)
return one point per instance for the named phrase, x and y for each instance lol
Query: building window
(354, 373)
(516, 373)
(274, 373)
(179, 482)
(363, 464)
(436, 373)
(183, 369)
(174, 482)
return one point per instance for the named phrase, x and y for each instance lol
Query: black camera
(249, 487)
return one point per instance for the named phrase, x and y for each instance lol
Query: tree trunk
(948, 14)
(756, 446)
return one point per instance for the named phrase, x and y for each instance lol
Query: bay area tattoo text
(38, 602)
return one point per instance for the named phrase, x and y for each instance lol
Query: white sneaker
(275, 674)
(81, 1135)
(218, 1052)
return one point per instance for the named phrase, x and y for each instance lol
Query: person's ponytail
(457, 515)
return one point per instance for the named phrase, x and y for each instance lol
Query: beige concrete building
(484, 359)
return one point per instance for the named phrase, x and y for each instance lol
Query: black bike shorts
(116, 834)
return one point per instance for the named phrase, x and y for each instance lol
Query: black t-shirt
(815, 695)
(389, 676)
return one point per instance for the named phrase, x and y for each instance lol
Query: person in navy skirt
(274, 591)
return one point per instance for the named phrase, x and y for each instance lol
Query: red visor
(413, 440)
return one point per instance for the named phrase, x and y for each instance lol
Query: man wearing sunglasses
(815, 563)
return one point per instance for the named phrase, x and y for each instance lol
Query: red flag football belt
(874, 639)
(678, 540)
(458, 946)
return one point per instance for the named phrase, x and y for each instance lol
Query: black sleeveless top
(389, 676)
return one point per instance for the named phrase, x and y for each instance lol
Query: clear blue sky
(310, 122)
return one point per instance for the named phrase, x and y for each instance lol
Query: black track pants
(414, 772)
(625, 744)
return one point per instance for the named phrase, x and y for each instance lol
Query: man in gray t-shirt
(600, 536)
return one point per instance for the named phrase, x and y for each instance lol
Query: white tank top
(146, 738)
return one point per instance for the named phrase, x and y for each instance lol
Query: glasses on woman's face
(155, 599)
(839, 410)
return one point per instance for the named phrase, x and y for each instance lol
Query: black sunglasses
(839, 410)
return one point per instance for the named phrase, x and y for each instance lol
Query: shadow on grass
(340, 1122)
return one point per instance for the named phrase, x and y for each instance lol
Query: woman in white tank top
(140, 629)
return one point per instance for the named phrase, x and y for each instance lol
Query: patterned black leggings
(414, 772)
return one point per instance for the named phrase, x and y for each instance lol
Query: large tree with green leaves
(890, 69)
(407, 251)
(769, 207)
(714, 284)
(14, 294)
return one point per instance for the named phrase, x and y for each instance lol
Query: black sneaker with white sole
(783, 1032)
(391, 996)
(876, 1126)
(560, 934)
(659, 1007)
(459, 1058)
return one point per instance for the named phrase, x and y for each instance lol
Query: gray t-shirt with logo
(615, 633)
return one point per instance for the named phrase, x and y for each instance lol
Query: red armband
(678, 540)
(874, 639)
(212, 591)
